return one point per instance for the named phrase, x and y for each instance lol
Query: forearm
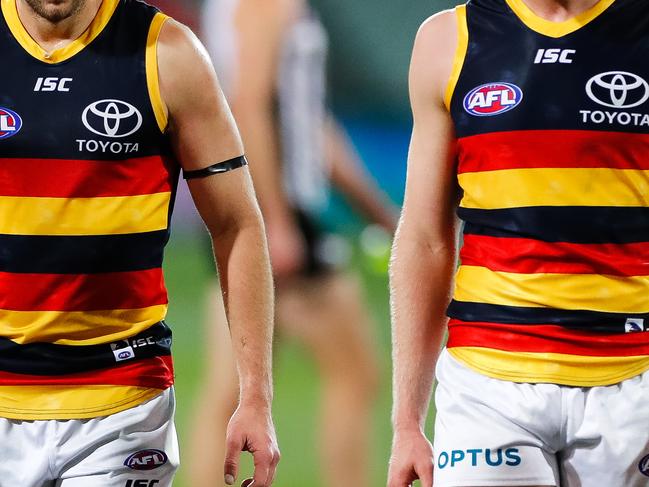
(350, 178)
(246, 282)
(259, 131)
(421, 281)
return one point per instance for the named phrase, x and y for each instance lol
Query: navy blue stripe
(573, 224)
(574, 319)
(54, 360)
(82, 255)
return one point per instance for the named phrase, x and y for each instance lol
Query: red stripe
(156, 372)
(62, 178)
(82, 292)
(545, 339)
(528, 256)
(553, 149)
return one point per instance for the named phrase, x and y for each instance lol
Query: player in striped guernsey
(535, 109)
(97, 118)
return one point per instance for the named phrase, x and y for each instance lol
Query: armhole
(460, 54)
(152, 77)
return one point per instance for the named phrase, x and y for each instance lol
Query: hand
(287, 248)
(412, 459)
(251, 429)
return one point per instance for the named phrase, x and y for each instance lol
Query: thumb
(233, 449)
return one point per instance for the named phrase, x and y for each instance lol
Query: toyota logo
(112, 118)
(618, 89)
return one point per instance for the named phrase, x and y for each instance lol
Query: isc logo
(553, 56)
(52, 84)
(492, 99)
(141, 483)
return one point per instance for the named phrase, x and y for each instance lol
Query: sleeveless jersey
(301, 96)
(552, 125)
(87, 182)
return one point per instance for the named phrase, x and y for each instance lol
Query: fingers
(265, 465)
(233, 449)
(425, 474)
(404, 476)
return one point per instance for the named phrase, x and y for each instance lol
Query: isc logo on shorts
(492, 99)
(477, 456)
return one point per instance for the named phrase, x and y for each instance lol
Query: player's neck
(55, 35)
(559, 10)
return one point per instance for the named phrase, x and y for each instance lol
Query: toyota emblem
(618, 89)
(112, 118)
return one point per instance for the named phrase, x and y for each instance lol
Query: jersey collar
(10, 13)
(556, 29)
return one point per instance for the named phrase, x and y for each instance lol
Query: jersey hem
(80, 413)
(594, 381)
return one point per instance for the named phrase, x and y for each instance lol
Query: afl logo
(146, 460)
(112, 118)
(618, 89)
(643, 466)
(10, 123)
(492, 99)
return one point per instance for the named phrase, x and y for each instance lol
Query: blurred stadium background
(370, 49)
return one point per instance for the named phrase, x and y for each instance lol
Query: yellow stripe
(70, 402)
(84, 216)
(78, 327)
(100, 21)
(152, 78)
(560, 291)
(460, 54)
(515, 188)
(555, 368)
(556, 29)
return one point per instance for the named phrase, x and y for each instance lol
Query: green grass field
(296, 394)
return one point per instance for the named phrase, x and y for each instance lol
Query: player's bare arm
(261, 26)
(424, 253)
(203, 133)
(349, 176)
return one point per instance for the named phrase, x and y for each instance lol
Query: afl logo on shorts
(643, 466)
(112, 118)
(492, 99)
(10, 123)
(146, 460)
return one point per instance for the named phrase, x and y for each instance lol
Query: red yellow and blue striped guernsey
(87, 181)
(552, 124)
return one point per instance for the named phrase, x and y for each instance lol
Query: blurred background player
(271, 56)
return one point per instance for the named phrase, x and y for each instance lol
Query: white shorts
(133, 448)
(490, 432)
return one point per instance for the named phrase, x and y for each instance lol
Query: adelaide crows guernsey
(86, 188)
(552, 124)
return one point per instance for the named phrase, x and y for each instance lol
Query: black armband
(218, 168)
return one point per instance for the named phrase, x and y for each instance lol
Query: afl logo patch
(112, 118)
(492, 99)
(10, 123)
(643, 466)
(146, 460)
